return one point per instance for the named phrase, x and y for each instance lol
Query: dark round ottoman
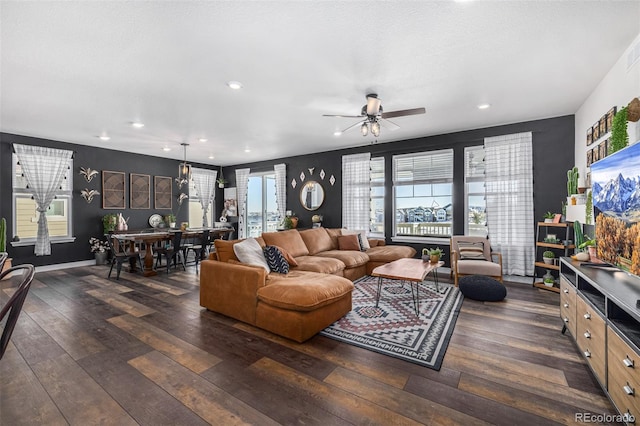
(479, 287)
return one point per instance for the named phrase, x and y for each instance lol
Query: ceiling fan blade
(341, 116)
(388, 124)
(403, 112)
(359, 123)
(373, 105)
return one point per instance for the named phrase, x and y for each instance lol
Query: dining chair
(120, 254)
(172, 251)
(13, 307)
(3, 257)
(200, 249)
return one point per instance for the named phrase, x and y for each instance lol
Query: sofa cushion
(325, 265)
(351, 258)
(304, 291)
(250, 252)
(389, 253)
(364, 242)
(224, 250)
(289, 240)
(316, 240)
(275, 260)
(478, 267)
(348, 242)
(290, 259)
(334, 233)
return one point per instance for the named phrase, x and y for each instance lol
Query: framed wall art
(139, 191)
(610, 115)
(589, 136)
(162, 192)
(603, 125)
(113, 190)
(595, 154)
(589, 157)
(603, 150)
(596, 131)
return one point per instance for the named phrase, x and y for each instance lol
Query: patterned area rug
(393, 328)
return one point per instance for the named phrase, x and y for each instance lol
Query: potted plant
(548, 257)
(100, 249)
(109, 222)
(3, 242)
(548, 217)
(573, 195)
(590, 245)
(548, 279)
(170, 220)
(433, 255)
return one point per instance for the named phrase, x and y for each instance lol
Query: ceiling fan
(372, 116)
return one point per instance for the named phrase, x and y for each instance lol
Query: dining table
(150, 238)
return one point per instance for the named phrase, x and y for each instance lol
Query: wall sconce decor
(89, 194)
(88, 173)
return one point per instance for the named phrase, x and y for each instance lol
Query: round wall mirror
(311, 195)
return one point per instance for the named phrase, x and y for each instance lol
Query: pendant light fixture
(184, 169)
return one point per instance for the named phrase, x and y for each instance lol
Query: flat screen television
(616, 204)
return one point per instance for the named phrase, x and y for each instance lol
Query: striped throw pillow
(275, 260)
(471, 251)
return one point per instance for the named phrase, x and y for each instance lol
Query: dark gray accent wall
(553, 155)
(87, 217)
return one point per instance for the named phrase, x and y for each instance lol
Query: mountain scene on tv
(616, 201)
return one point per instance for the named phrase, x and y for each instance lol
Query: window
(475, 203)
(25, 216)
(262, 208)
(195, 208)
(423, 194)
(377, 197)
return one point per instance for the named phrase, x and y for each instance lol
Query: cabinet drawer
(591, 337)
(625, 397)
(568, 305)
(623, 361)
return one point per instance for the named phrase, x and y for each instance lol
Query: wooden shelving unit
(559, 249)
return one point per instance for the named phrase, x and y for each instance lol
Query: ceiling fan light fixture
(364, 129)
(375, 128)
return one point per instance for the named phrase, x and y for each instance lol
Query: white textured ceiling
(71, 71)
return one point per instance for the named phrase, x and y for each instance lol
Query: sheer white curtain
(509, 194)
(205, 182)
(356, 191)
(281, 189)
(43, 169)
(242, 183)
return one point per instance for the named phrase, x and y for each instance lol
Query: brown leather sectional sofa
(313, 295)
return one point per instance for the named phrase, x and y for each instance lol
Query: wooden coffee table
(410, 270)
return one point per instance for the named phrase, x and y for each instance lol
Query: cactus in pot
(3, 235)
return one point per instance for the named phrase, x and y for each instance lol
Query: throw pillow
(250, 252)
(471, 251)
(275, 260)
(364, 242)
(348, 242)
(290, 259)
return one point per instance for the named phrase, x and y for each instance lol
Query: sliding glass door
(262, 208)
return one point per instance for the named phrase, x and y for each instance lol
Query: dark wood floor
(88, 350)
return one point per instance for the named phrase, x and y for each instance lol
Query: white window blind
(509, 197)
(427, 167)
(376, 226)
(356, 191)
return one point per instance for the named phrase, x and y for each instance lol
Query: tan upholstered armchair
(473, 256)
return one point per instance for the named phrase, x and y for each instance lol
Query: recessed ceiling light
(235, 85)
(104, 138)
(337, 133)
(247, 150)
(166, 149)
(137, 124)
(211, 157)
(202, 140)
(483, 106)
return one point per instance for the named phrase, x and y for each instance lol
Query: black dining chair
(120, 254)
(13, 307)
(172, 251)
(200, 248)
(3, 258)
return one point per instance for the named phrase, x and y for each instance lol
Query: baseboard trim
(57, 266)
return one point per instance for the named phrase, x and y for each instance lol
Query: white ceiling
(73, 70)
